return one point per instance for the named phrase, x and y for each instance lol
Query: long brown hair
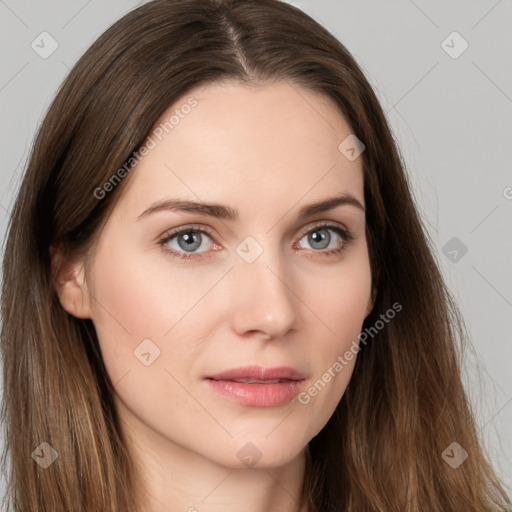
(382, 448)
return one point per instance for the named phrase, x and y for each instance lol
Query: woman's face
(255, 279)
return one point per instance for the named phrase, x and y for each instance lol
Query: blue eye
(189, 239)
(320, 237)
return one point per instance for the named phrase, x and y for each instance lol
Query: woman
(214, 237)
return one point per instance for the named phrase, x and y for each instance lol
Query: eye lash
(172, 234)
(344, 233)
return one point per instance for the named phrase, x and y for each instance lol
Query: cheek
(340, 301)
(340, 305)
(148, 341)
(149, 315)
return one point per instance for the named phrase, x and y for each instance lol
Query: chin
(266, 451)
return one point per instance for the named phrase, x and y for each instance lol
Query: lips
(255, 381)
(256, 386)
(258, 374)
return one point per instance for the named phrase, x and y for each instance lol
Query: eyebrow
(227, 213)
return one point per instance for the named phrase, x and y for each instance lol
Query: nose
(263, 297)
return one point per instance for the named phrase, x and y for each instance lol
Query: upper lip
(259, 373)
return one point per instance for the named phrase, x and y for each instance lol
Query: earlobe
(371, 302)
(70, 285)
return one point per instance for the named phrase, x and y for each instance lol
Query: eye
(320, 238)
(324, 239)
(185, 242)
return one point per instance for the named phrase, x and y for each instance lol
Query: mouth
(259, 374)
(256, 386)
(255, 381)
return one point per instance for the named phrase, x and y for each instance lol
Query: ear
(371, 302)
(69, 282)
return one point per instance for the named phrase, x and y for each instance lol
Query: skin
(265, 151)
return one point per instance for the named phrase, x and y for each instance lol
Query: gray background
(451, 116)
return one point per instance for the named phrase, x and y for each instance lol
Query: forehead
(253, 145)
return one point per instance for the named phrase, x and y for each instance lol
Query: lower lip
(257, 395)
